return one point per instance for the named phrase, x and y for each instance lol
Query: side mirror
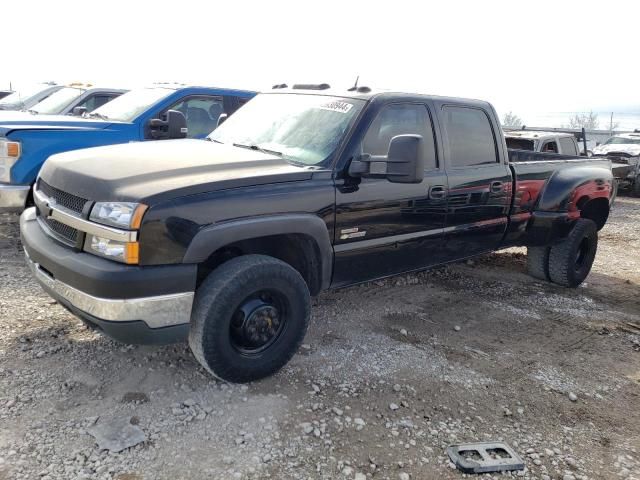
(173, 125)
(79, 111)
(403, 164)
(221, 119)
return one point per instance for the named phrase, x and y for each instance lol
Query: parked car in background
(25, 97)
(223, 242)
(538, 141)
(81, 98)
(4, 93)
(624, 152)
(154, 113)
(545, 142)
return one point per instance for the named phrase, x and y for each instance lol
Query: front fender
(216, 236)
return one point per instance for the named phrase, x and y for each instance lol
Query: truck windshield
(128, 106)
(22, 93)
(57, 101)
(622, 141)
(301, 128)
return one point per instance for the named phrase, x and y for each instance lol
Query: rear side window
(400, 119)
(567, 146)
(520, 143)
(550, 147)
(470, 137)
(96, 101)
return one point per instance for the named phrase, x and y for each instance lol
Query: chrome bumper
(13, 197)
(155, 312)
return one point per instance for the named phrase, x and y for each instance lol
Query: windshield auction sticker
(337, 106)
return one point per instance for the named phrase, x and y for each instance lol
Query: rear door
(479, 180)
(384, 228)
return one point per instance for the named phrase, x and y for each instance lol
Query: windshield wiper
(33, 112)
(259, 148)
(97, 115)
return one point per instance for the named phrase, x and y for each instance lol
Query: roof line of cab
(177, 87)
(363, 93)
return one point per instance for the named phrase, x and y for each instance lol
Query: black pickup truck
(303, 189)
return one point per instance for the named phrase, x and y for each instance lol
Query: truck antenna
(355, 85)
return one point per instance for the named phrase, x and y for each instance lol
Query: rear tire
(636, 186)
(570, 261)
(250, 316)
(538, 262)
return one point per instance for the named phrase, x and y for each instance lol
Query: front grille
(64, 199)
(615, 159)
(64, 232)
(619, 154)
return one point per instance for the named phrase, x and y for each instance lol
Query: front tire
(250, 316)
(570, 261)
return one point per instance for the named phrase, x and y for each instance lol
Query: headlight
(9, 154)
(125, 252)
(118, 214)
(127, 215)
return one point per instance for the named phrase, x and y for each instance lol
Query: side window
(94, 101)
(202, 114)
(550, 147)
(400, 119)
(470, 137)
(568, 146)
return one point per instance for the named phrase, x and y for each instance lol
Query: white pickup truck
(545, 142)
(624, 152)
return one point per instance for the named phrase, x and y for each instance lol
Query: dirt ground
(390, 374)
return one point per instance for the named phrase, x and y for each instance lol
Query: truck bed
(547, 182)
(516, 156)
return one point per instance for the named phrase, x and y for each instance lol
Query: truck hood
(152, 172)
(18, 115)
(628, 148)
(55, 122)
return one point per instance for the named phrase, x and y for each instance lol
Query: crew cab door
(479, 180)
(384, 228)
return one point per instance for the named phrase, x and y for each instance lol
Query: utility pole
(611, 125)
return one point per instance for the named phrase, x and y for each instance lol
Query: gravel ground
(390, 374)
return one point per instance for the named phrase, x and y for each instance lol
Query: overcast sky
(521, 55)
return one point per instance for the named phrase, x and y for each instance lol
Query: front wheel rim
(258, 322)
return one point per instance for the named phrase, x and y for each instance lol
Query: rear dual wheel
(569, 262)
(636, 186)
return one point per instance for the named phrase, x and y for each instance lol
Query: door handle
(437, 192)
(497, 186)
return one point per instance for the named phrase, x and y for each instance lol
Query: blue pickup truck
(153, 113)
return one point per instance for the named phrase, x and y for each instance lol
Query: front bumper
(132, 304)
(13, 198)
